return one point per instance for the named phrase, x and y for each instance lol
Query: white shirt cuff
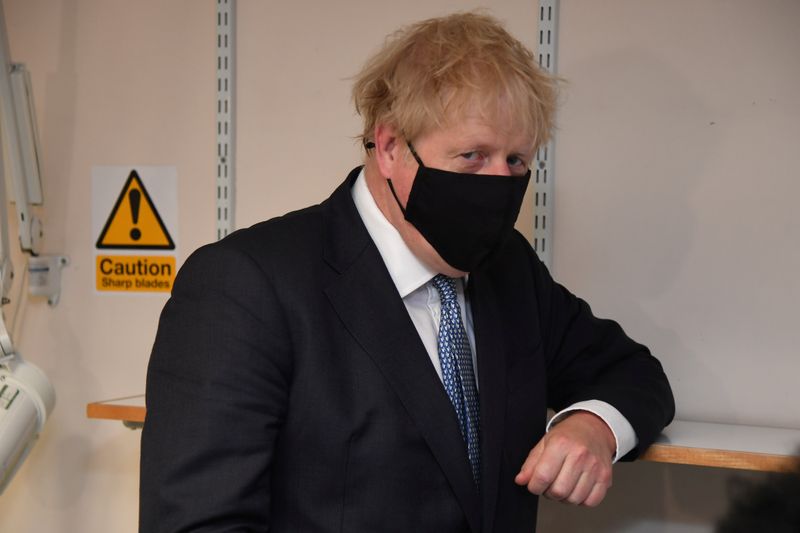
(624, 435)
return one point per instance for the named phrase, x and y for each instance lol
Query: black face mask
(465, 217)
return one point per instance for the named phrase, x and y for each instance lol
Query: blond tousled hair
(435, 70)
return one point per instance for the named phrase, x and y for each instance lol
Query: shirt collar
(407, 271)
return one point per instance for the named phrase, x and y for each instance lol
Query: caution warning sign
(134, 221)
(133, 211)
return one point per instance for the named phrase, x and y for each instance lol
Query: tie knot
(445, 286)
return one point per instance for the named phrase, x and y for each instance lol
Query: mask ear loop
(369, 145)
(389, 181)
(396, 199)
(414, 153)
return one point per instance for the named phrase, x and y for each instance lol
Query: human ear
(386, 154)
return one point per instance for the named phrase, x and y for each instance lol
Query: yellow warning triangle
(134, 221)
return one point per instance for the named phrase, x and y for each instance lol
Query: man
(383, 361)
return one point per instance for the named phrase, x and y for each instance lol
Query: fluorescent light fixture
(26, 400)
(28, 133)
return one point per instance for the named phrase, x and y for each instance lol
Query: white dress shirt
(413, 281)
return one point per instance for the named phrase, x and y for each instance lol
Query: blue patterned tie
(455, 356)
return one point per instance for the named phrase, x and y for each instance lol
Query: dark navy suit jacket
(289, 391)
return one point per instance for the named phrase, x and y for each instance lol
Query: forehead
(474, 128)
(480, 108)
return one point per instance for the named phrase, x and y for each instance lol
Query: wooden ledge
(683, 442)
(661, 453)
(129, 409)
(727, 446)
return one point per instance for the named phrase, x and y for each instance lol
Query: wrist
(598, 426)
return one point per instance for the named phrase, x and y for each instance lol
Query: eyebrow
(522, 154)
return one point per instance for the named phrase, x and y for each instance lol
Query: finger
(526, 470)
(546, 469)
(567, 480)
(583, 487)
(596, 495)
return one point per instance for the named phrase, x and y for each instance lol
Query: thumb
(525, 473)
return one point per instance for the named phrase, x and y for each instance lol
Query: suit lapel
(490, 350)
(368, 304)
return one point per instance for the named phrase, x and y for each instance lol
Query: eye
(471, 156)
(516, 161)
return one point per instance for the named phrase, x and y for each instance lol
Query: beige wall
(296, 123)
(680, 228)
(677, 187)
(115, 83)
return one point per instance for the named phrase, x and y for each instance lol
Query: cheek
(402, 177)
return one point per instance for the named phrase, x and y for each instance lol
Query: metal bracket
(225, 115)
(544, 186)
(44, 276)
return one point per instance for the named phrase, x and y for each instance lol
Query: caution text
(135, 273)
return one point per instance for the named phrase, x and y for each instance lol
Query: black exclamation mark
(135, 197)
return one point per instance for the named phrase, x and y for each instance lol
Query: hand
(572, 462)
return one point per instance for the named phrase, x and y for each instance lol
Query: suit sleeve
(217, 386)
(589, 358)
